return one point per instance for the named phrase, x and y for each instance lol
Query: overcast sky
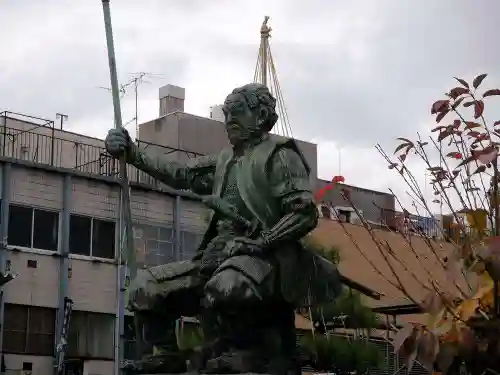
(353, 73)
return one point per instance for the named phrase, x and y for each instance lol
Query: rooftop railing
(36, 140)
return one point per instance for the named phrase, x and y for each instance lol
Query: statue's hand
(118, 142)
(244, 246)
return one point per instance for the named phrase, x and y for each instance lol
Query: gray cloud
(352, 73)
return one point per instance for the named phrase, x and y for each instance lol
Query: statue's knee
(230, 286)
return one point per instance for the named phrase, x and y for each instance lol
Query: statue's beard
(239, 135)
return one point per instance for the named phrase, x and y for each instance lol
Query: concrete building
(60, 216)
(60, 204)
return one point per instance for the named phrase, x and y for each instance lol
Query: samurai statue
(251, 271)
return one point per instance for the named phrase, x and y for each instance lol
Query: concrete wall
(44, 365)
(368, 201)
(40, 365)
(201, 135)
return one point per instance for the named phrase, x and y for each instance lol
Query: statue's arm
(291, 187)
(196, 176)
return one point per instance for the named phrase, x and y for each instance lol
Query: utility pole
(63, 118)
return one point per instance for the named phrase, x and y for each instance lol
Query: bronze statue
(251, 271)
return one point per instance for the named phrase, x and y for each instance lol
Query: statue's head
(249, 111)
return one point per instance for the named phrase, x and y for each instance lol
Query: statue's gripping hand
(244, 246)
(118, 142)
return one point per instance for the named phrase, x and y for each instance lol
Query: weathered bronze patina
(251, 271)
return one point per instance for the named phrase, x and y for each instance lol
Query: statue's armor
(231, 194)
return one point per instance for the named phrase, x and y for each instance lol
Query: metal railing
(36, 140)
(410, 224)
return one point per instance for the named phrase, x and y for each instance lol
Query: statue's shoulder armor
(288, 143)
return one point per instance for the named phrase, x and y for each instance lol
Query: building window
(91, 335)
(189, 244)
(154, 245)
(92, 237)
(128, 337)
(33, 228)
(29, 330)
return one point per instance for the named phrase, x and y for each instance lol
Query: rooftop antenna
(134, 82)
(265, 73)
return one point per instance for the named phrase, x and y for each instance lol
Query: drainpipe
(120, 292)
(4, 230)
(177, 227)
(64, 266)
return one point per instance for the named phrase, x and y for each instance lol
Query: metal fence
(36, 140)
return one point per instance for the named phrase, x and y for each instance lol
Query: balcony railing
(39, 142)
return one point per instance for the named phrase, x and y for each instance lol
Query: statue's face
(241, 121)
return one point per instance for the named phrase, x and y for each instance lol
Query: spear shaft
(127, 246)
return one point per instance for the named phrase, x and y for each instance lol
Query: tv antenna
(133, 83)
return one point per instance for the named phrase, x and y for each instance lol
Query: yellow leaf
(486, 301)
(435, 319)
(468, 308)
(486, 285)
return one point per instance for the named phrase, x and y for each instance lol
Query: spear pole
(126, 239)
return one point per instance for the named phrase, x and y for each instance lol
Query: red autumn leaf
(400, 147)
(468, 104)
(473, 134)
(480, 169)
(439, 106)
(477, 81)
(478, 109)
(496, 123)
(320, 194)
(402, 335)
(471, 125)
(465, 161)
(491, 93)
(454, 155)
(481, 138)
(457, 102)
(441, 115)
(435, 169)
(393, 165)
(443, 135)
(457, 91)
(404, 140)
(428, 349)
(462, 82)
(488, 158)
(402, 157)
(441, 127)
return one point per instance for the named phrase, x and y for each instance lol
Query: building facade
(60, 216)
